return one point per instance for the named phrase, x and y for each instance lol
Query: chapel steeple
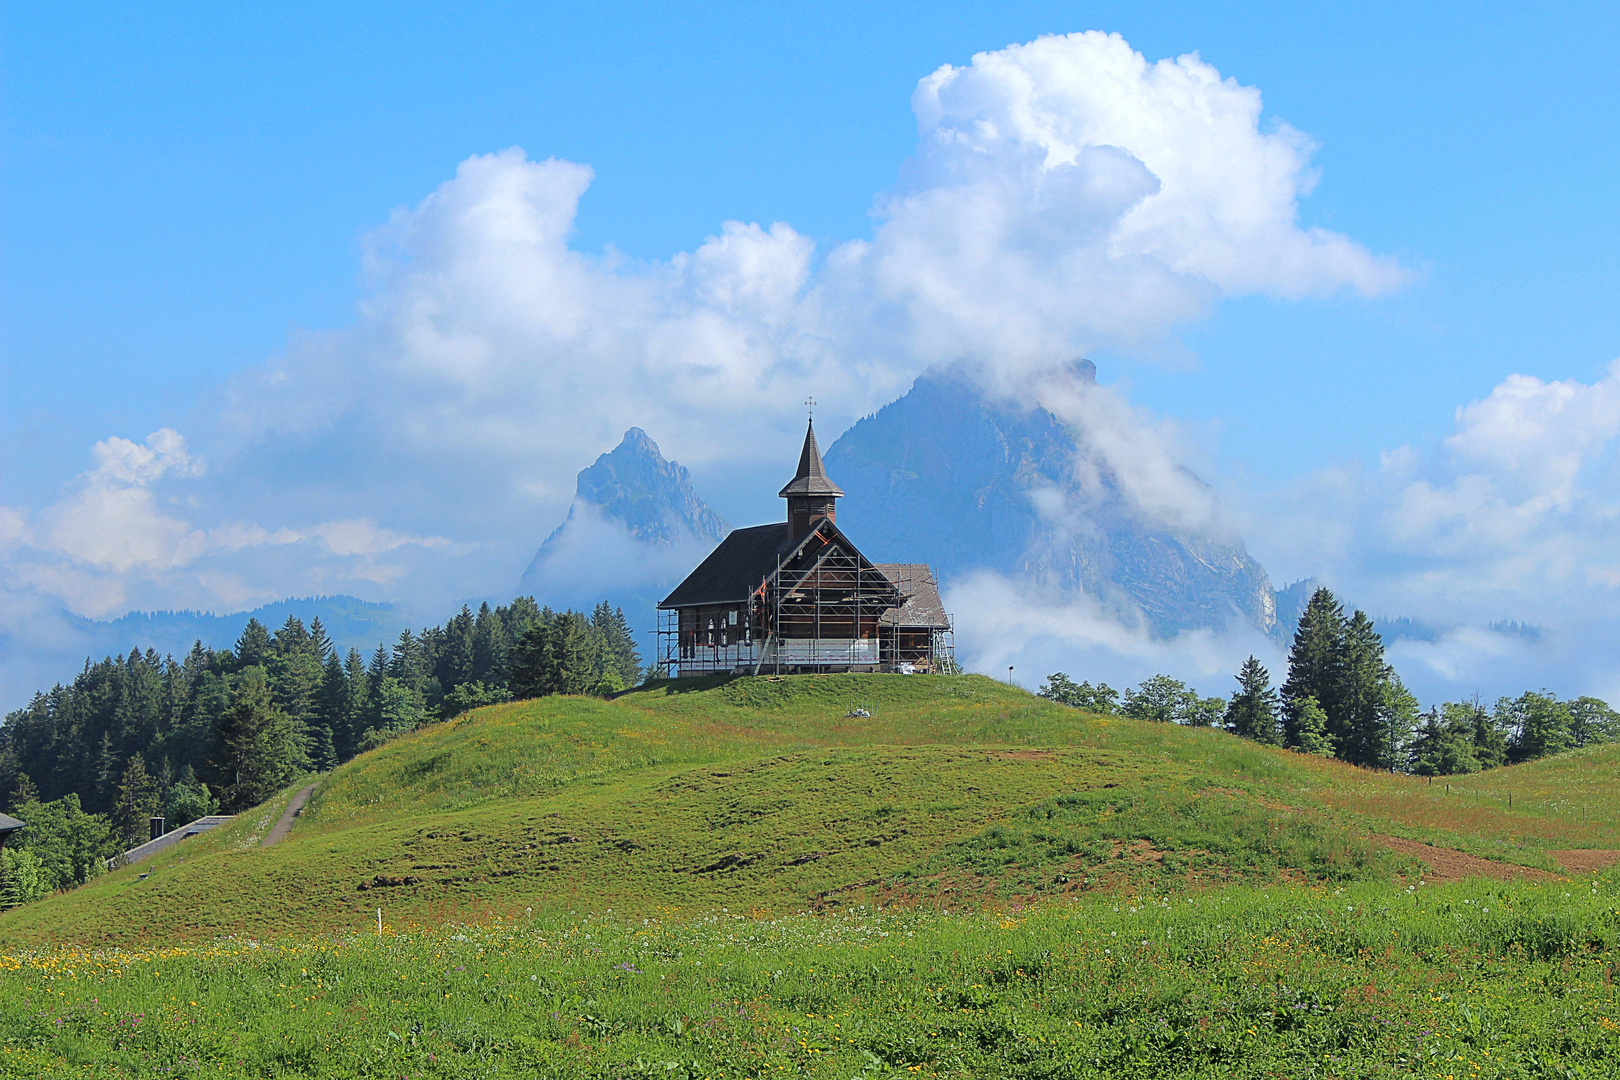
(811, 494)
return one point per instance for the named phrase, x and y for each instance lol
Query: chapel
(798, 596)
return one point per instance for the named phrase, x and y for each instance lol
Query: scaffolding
(825, 610)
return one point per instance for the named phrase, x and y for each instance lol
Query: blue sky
(188, 193)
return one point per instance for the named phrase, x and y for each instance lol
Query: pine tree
(253, 647)
(1315, 661)
(1308, 727)
(1252, 712)
(1367, 704)
(139, 799)
(258, 749)
(320, 645)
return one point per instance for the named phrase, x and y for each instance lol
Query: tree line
(1343, 699)
(88, 763)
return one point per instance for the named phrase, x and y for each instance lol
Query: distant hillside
(764, 794)
(348, 622)
(54, 647)
(946, 476)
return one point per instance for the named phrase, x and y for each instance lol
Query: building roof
(735, 569)
(922, 607)
(812, 478)
(9, 824)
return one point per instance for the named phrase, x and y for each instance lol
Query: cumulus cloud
(1064, 193)
(1068, 190)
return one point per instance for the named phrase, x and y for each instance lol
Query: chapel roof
(922, 606)
(735, 569)
(812, 478)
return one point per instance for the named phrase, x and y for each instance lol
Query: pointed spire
(811, 479)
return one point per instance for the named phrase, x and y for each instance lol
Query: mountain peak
(652, 497)
(954, 476)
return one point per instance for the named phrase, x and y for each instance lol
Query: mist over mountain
(634, 529)
(949, 476)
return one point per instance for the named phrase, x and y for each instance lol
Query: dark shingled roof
(812, 478)
(735, 569)
(9, 824)
(923, 606)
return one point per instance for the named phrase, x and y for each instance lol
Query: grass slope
(762, 795)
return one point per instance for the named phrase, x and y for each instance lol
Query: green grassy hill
(762, 795)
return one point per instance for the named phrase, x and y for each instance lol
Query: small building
(798, 596)
(9, 825)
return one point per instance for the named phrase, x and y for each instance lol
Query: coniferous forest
(87, 764)
(1342, 699)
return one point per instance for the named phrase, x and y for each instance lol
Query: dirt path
(1448, 865)
(284, 826)
(1586, 860)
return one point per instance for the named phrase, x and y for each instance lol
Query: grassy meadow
(736, 878)
(1484, 979)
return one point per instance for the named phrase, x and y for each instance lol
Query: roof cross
(810, 403)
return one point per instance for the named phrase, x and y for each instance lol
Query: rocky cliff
(949, 476)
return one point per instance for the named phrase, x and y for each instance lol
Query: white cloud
(1068, 190)
(1511, 518)
(1064, 193)
(113, 540)
(1003, 622)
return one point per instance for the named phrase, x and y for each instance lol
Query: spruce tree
(1368, 707)
(489, 647)
(1316, 662)
(349, 722)
(1252, 711)
(573, 671)
(258, 749)
(320, 645)
(140, 797)
(253, 647)
(455, 666)
(292, 639)
(1308, 727)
